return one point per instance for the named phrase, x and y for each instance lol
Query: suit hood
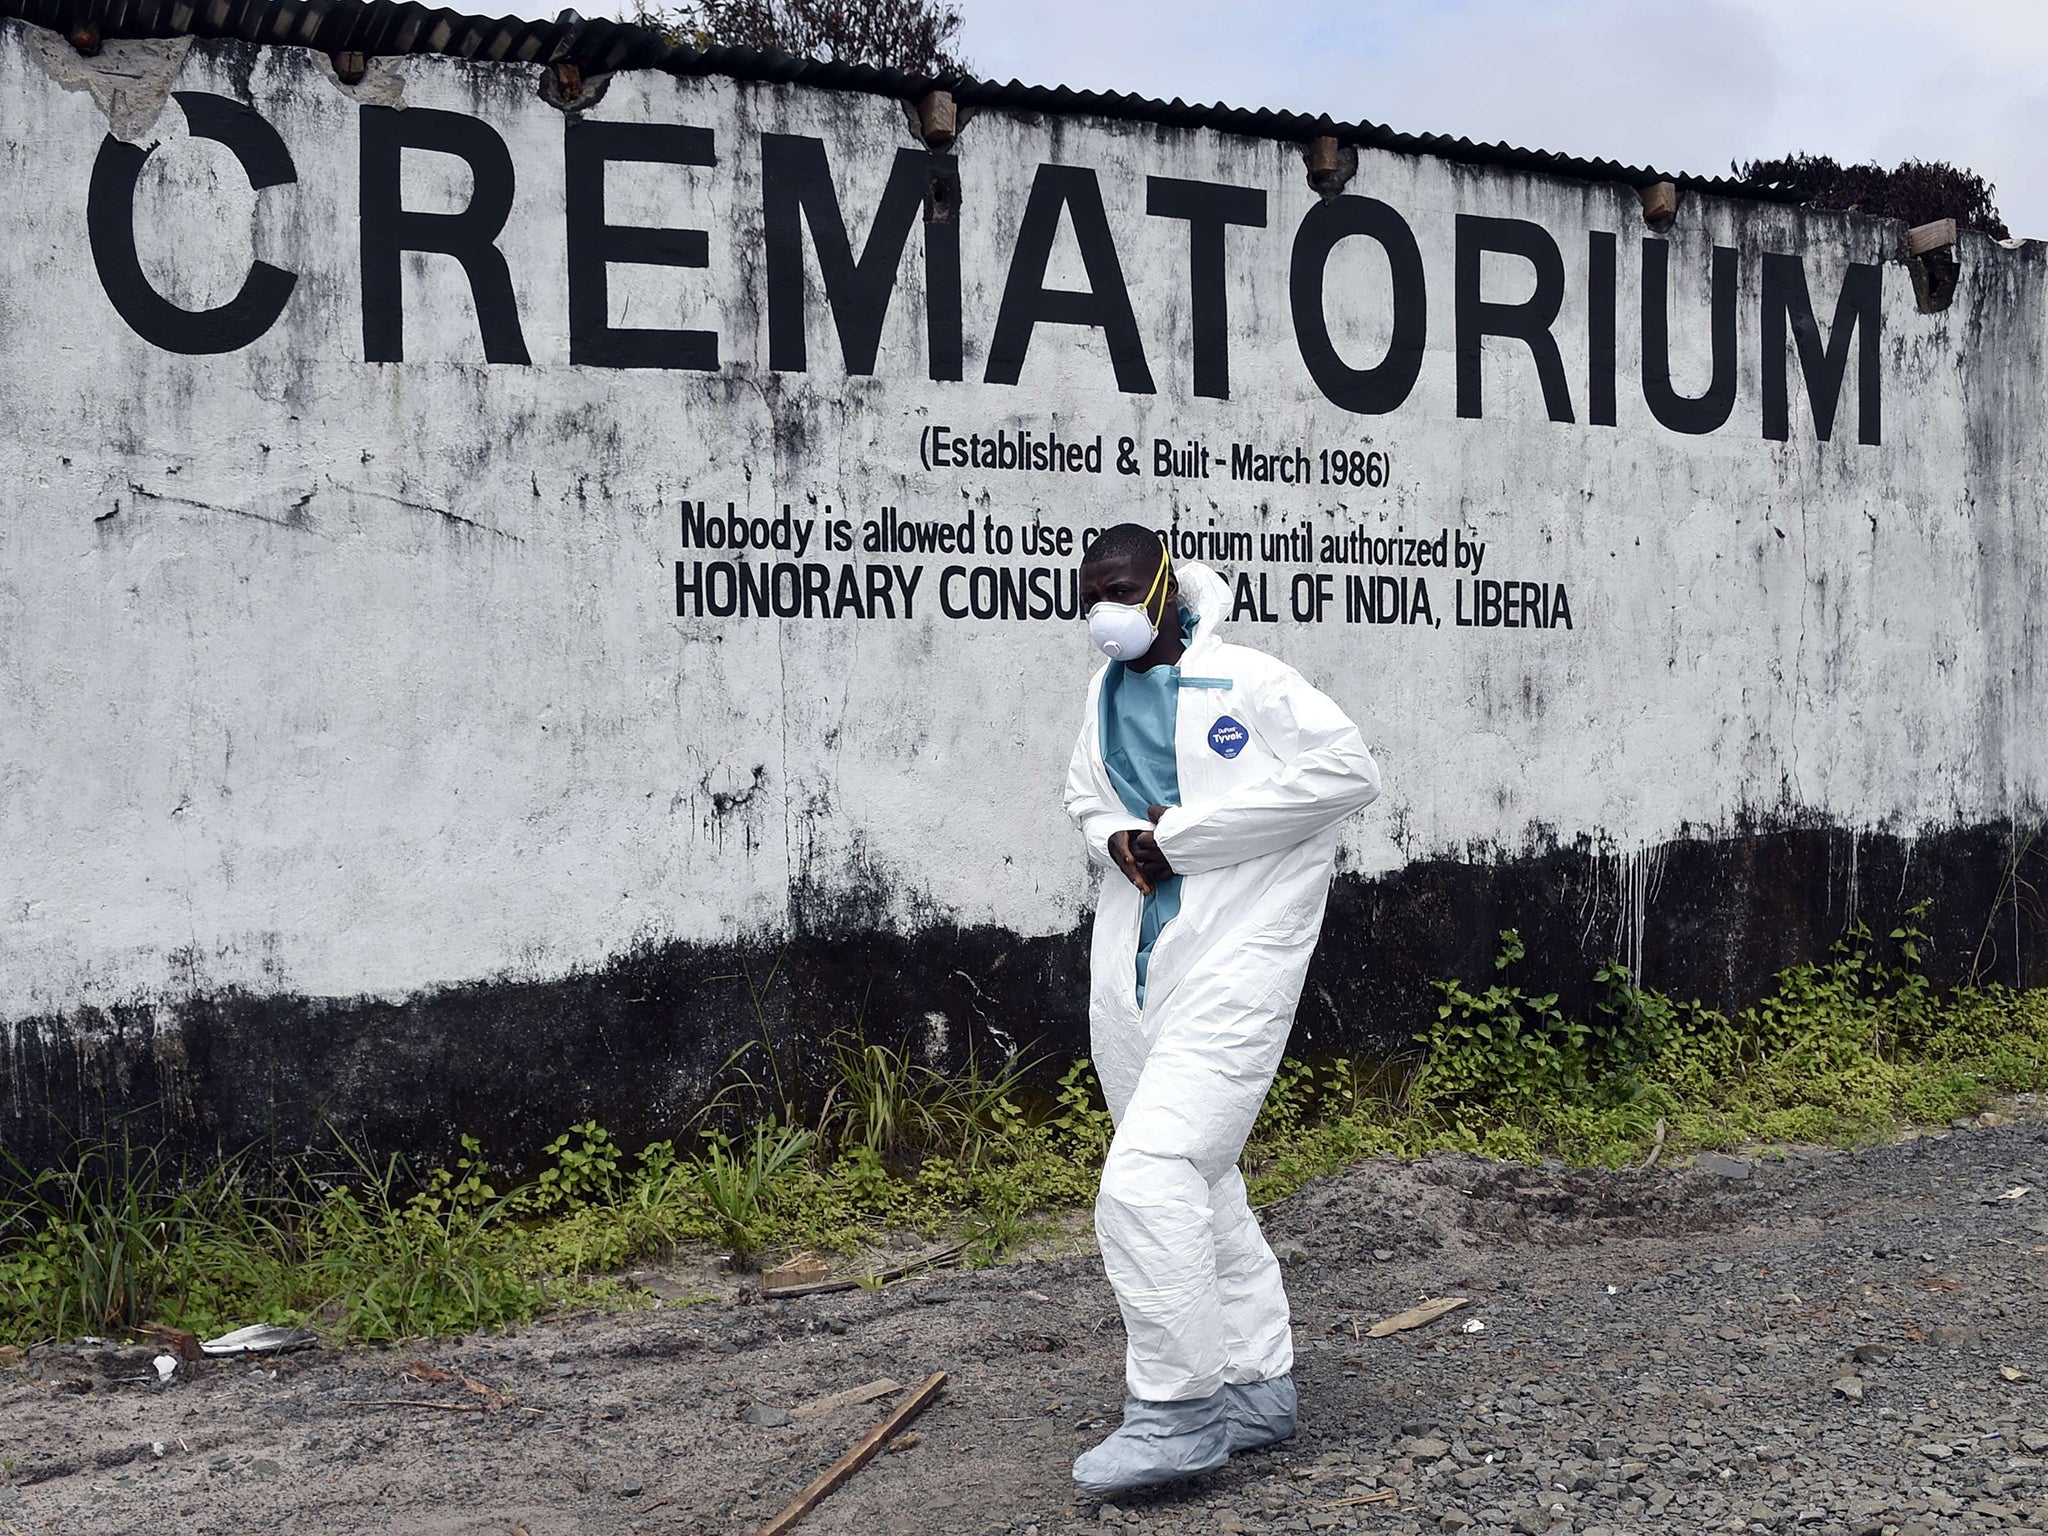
(1203, 590)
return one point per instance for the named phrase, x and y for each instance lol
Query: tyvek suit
(1268, 767)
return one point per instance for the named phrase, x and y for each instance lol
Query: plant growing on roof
(918, 37)
(1917, 191)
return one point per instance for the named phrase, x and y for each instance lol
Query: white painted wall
(341, 678)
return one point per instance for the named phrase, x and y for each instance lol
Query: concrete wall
(380, 734)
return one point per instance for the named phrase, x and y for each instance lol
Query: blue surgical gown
(1139, 711)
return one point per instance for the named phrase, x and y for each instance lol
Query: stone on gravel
(1849, 1387)
(767, 1415)
(1719, 1165)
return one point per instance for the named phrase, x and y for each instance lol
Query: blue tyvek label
(1227, 737)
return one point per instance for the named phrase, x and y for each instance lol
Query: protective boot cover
(1158, 1443)
(1261, 1412)
(1268, 768)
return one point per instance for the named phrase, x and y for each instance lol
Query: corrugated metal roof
(597, 46)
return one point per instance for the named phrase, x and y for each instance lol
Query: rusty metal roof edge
(598, 44)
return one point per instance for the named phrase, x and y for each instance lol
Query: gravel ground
(1827, 1343)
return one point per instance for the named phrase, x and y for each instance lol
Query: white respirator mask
(1125, 631)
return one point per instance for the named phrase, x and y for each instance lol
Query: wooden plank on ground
(1417, 1316)
(804, 1269)
(847, 1399)
(934, 1260)
(864, 1450)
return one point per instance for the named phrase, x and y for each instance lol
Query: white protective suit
(1268, 767)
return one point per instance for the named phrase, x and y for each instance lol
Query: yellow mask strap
(1158, 587)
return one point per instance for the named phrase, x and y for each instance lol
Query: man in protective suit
(1211, 779)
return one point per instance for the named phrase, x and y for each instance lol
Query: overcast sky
(1685, 85)
(1680, 84)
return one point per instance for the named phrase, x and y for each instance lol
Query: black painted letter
(595, 246)
(1859, 309)
(1528, 322)
(1210, 209)
(1703, 413)
(1381, 388)
(1027, 302)
(110, 228)
(388, 230)
(1600, 328)
(796, 188)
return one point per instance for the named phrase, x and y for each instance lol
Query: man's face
(1126, 580)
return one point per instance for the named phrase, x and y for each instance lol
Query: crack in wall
(129, 81)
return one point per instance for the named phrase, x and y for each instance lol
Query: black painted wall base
(640, 1044)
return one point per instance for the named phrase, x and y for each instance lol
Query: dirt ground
(1830, 1343)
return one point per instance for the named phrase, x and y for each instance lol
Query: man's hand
(1137, 855)
(1126, 860)
(1151, 862)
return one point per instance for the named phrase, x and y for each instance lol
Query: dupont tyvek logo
(1227, 737)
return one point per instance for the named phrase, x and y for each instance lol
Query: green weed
(113, 1238)
(739, 1180)
(392, 1266)
(898, 1108)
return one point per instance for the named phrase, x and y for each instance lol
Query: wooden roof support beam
(1660, 203)
(1939, 235)
(1330, 165)
(938, 120)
